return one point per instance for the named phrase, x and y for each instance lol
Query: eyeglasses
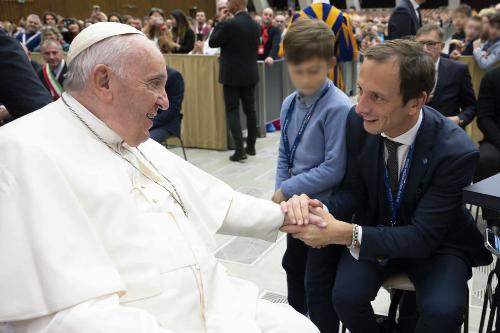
(429, 43)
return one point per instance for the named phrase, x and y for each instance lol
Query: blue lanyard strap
(395, 203)
(290, 151)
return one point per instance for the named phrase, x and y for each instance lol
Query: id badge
(260, 51)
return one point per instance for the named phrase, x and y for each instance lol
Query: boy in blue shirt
(312, 160)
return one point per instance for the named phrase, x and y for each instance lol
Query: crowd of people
(390, 170)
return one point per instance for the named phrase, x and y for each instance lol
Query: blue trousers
(310, 276)
(159, 134)
(440, 282)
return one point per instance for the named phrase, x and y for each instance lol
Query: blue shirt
(320, 159)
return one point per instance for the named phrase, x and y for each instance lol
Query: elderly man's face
(32, 24)
(139, 95)
(52, 54)
(379, 100)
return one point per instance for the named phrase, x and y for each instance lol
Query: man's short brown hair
(416, 67)
(308, 39)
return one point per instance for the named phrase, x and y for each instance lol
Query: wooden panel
(12, 9)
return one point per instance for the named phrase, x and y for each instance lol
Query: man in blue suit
(406, 19)
(168, 122)
(406, 167)
(452, 95)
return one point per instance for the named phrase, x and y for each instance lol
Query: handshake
(305, 219)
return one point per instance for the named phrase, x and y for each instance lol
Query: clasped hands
(305, 219)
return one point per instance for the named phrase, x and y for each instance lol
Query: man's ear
(100, 80)
(418, 102)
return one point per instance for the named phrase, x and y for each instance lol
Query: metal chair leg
(183, 150)
(466, 314)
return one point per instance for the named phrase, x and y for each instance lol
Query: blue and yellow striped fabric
(346, 48)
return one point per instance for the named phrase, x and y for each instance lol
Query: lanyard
(290, 152)
(395, 203)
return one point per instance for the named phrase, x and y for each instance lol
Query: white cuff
(355, 251)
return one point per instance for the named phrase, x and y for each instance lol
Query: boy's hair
(463, 9)
(307, 39)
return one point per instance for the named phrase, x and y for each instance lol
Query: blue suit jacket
(454, 95)
(403, 21)
(20, 89)
(432, 218)
(171, 119)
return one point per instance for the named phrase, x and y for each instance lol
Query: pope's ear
(100, 77)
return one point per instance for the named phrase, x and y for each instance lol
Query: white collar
(408, 137)
(437, 64)
(97, 125)
(414, 4)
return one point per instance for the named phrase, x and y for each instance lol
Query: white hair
(51, 42)
(114, 52)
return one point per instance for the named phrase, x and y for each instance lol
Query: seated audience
(460, 16)
(31, 38)
(49, 32)
(182, 34)
(52, 72)
(73, 27)
(114, 17)
(487, 55)
(488, 121)
(168, 122)
(270, 38)
(452, 94)
(49, 18)
(473, 30)
(201, 28)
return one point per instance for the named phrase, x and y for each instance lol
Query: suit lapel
(442, 71)
(422, 155)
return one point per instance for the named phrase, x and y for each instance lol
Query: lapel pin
(424, 161)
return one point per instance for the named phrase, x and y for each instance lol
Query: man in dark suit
(238, 39)
(406, 167)
(20, 90)
(488, 121)
(406, 19)
(52, 72)
(452, 94)
(168, 122)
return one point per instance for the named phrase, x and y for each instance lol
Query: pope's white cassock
(89, 244)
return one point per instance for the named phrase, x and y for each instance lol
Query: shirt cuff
(355, 250)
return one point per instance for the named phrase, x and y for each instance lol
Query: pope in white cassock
(103, 230)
